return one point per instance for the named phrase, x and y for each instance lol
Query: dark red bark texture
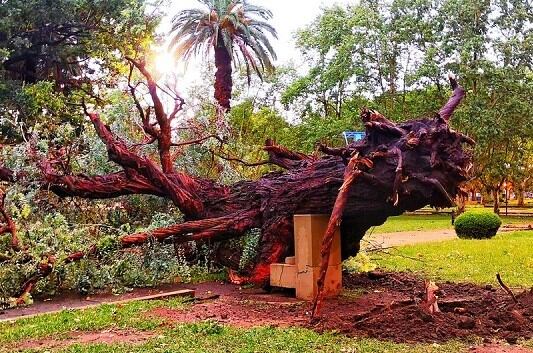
(223, 80)
(395, 168)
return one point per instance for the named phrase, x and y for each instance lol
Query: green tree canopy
(53, 53)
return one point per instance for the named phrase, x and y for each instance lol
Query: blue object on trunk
(353, 135)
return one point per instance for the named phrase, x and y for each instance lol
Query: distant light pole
(506, 197)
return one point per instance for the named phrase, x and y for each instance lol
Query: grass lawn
(475, 261)
(207, 336)
(406, 223)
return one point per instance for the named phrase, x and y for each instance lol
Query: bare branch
(248, 164)
(459, 93)
(196, 141)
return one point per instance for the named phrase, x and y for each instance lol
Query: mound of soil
(379, 305)
(467, 310)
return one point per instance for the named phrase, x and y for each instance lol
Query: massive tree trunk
(395, 168)
(223, 80)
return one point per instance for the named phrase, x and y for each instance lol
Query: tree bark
(461, 204)
(521, 187)
(496, 198)
(223, 80)
(520, 197)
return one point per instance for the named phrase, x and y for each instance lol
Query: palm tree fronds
(223, 23)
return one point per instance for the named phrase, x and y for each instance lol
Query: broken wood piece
(431, 298)
(164, 295)
(505, 288)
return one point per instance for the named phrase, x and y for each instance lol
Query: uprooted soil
(131, 337)
(467, 310)
(385, 306)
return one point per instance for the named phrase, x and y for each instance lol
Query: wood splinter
(505, 288)
(431, 297)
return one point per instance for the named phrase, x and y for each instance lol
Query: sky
(288, 16)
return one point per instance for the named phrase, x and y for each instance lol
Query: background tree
(53, 53)
(394, 55)
(235, 30)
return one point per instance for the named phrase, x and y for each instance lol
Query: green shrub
(359, 263)
(477, 225)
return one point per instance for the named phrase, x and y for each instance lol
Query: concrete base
(282, 275)
(302, 270)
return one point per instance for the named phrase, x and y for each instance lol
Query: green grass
(476, 261)
(207, 336)
(406, 223)
(104, 316)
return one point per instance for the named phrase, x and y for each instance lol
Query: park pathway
(387, 240)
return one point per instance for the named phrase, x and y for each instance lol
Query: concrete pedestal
(302, 270)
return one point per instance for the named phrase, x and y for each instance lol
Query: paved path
(424, 236)
(410, 237)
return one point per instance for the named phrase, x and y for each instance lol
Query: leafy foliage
(250, 248)
(379, 55)
(477, 225)
(109, 268)
(55, 53)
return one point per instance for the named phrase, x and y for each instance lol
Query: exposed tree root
(407, 140)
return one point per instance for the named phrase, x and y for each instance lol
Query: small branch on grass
(505, 288)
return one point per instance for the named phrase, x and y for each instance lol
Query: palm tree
(236, 30)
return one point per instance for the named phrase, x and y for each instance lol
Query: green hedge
(477, 225)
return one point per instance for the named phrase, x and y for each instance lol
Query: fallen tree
(395, 168)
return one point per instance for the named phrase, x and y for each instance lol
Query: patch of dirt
(494, 348)
(389, 308)
(106, 336)
(239, 307)
(467, 310)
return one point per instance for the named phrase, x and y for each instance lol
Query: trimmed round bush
(477, 225)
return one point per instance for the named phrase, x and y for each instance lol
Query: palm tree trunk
(223, 82)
